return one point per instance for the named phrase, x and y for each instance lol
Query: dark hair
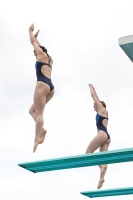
(44, 49)
(103, 103)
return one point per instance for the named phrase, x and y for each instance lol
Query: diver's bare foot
(42, 136)
(40, 141)
(103, 170)
(35, 145)
(100, 184)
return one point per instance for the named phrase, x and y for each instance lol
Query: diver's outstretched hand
(90, 85)
(31, 28)
(36, 34)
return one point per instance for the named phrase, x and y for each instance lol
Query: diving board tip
(85, 160)
(126, 43)
(111, 192)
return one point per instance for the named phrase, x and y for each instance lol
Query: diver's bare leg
(103, 168)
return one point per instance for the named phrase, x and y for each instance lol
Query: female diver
(102, 139)
(44, 89)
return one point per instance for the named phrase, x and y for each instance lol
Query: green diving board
(126, 43)
(111, 192)
(85, 160)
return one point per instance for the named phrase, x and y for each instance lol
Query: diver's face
(35, 53)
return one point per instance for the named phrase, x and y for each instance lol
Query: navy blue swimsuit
(41, 77)
(100, 125)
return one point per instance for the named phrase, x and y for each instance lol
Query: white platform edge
(126, 40)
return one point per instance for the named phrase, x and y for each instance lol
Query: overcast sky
(82, 38)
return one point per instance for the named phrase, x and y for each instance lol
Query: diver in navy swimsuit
(102, 139)
(44, 90)
(40, 76)
(99, 124)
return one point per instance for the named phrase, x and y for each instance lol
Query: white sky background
(82, 37)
